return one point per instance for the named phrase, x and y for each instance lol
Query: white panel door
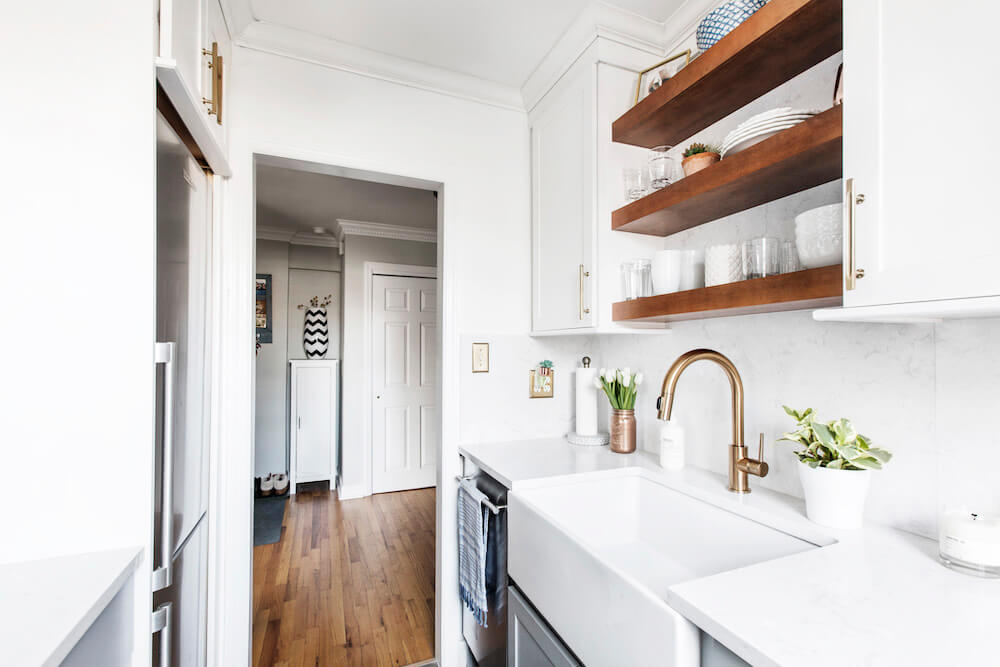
(314, 425)
(404, 379)
(926, 228)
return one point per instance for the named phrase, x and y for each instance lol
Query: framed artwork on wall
(263, 315)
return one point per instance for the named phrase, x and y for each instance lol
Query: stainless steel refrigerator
(183, 287)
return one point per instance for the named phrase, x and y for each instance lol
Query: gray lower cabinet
(530, 641)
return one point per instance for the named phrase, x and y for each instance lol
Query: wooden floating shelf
(801, 157)
(811, 288)
(781, 40)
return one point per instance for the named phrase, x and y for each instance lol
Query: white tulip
(597, 383)
(627, 373)
(602, 372)
(609, 376)
(638, 379)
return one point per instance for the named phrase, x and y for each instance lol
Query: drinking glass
(661, 167)
(637, 279)
(761, 257)
(635, 183)
(789, 257)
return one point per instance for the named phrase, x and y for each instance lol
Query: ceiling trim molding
(307, 47)
(384, 231)
(296, 238)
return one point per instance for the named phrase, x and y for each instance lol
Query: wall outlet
(480, 357)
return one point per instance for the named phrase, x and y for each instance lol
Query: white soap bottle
(671, 445)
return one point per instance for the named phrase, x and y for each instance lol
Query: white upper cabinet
(920, 147)
(562, 195)
(194, 52)
(576, 173)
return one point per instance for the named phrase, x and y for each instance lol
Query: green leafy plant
(545, 364)
(833, 444)
(698, 147)
(620, 385)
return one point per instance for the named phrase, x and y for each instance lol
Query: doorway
(348, 328)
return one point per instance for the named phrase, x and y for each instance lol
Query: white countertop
(876, 596)
(47, 605)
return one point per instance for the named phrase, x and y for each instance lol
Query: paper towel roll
(586, 401)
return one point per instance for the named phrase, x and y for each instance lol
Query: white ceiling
(501, 42)
(300, 200)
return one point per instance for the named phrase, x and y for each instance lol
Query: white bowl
(819, 235)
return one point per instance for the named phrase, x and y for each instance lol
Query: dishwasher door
(489, 645)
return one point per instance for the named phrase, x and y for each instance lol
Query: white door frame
(231, 510)
(372, 269)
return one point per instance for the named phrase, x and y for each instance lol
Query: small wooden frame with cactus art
(542, 380)
(698, 156)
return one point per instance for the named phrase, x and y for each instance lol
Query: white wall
(297, 274)
(78, 260)
(294, 109)
(355, 463)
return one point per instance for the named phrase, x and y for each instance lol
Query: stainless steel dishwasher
(488, 645)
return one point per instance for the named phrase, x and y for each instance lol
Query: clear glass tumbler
(761, 257)
(661, 167)
(637, 279)
(635, 183)
(789, 257)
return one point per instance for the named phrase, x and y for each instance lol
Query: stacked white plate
(763, 126)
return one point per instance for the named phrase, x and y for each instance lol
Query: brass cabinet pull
(214, 64)
(583, 274)
(853, 273)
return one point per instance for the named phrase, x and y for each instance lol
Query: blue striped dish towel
(473, 524)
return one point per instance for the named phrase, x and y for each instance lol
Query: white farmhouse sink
(596, 558)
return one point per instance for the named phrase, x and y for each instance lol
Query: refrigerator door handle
(161, 624)
(162, 576)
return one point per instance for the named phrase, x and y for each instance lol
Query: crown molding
(384, 231)
(307, 47)
(296, 238)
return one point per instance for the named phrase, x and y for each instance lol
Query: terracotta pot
(623, 431)
(694, 163)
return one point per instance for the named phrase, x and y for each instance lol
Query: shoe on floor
(280, 484)
(267, 485)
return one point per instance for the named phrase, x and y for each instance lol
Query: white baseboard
(351, 491)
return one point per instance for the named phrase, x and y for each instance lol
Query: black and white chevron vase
(316, 333)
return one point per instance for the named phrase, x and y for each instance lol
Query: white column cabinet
(314, 426)
(919, 151)
(576, 182)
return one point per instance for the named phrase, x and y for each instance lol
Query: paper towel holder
(595, 440)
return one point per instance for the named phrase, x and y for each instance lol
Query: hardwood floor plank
(349, 583)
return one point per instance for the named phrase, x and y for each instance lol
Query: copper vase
(623, 431)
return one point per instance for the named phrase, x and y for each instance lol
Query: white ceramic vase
(835, 498)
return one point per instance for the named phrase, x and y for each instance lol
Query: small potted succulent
(836, 468)
(697, 156)
(621, 386)
(545, 367)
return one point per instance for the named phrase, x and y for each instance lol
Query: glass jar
(637, 279)
(661, 167)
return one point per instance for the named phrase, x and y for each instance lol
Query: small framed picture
(262, 309)
(541, 383)
(653, 77)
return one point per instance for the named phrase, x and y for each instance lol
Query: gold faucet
(739, 464)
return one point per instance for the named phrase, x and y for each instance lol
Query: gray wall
(297, 274)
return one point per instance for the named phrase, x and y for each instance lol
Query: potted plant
(697, 156)
(621, 387)
(836, 468)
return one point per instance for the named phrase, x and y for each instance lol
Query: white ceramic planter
(835, 498)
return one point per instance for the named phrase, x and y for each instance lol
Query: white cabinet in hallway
(314, 415)
(404, 382)
(921, 204)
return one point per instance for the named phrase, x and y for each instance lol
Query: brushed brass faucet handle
(760, 449)
(756, 466)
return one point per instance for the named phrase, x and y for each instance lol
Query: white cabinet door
(215, 32)
(181, 37)
(404, 381)
(562, 202)
(314, 421)
(920, 147)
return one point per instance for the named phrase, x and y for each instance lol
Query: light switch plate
(480, 357)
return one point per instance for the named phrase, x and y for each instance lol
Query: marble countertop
(47, 605)
(876, 596)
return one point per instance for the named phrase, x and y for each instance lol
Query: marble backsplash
(926, 392)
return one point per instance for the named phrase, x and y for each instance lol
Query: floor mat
(268, 511)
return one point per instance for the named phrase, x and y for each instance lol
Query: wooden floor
(349, 583)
